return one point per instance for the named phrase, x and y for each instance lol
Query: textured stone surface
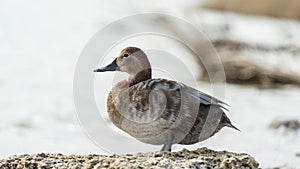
(202, 158)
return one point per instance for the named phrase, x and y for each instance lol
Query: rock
(200, 158)
(292, 125)
(250, 73)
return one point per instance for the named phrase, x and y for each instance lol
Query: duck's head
(131, 60)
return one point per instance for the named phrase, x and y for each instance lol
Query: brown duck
(160, 111)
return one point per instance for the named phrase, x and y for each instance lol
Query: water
(39, 47)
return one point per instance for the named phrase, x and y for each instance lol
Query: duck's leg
(163, 148)
(168, 145)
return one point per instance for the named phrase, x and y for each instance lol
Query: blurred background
(258, 43)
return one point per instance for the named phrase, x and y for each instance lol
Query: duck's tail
(226, 122)
(231, 126)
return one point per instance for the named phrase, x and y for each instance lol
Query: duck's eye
(126, 55)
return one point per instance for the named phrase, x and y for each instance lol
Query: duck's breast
(139, 111)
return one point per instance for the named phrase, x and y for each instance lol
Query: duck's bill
(111, 67)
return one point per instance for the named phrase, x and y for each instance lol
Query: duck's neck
(139, 77)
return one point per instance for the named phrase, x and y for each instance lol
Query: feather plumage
(161, 111)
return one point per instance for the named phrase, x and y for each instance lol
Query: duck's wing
(169, 86)
(188, 107)
(173, 86)
(204, 98)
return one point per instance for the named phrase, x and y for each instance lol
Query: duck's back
(151, 109)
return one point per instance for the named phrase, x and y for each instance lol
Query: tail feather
(226, 122)
(231, 126)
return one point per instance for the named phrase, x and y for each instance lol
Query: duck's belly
(155, 132)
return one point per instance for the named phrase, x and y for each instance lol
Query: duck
(159, 111)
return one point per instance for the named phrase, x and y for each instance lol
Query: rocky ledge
(201, 158)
